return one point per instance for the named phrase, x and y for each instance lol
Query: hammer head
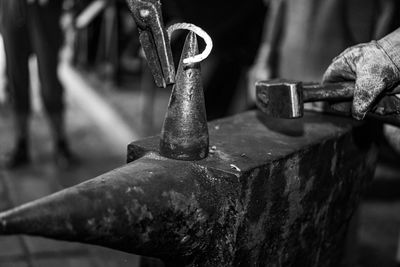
(280, 98)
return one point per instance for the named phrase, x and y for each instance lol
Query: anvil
(281, 194)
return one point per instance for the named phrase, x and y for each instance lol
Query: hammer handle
(336, 92)
(341, 92)
(328, 92)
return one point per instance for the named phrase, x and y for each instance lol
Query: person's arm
(261, 68)
(374, 66)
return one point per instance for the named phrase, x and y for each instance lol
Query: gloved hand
(374, 66)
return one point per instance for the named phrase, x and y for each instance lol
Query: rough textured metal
(295, 186)
(184, 135)
(281, 194)
(154, 39)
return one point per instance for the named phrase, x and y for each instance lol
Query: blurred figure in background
(2, 72)
(30, 26)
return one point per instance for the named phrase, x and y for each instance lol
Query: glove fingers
(339, 71)
(367, 89)
(389, 104)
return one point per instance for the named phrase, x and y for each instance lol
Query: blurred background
(111, 100)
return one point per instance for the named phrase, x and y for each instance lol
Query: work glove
(375, 68)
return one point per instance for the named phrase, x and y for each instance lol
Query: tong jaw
(154, 39)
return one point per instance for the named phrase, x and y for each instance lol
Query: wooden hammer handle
(335, 92)
(328, 92)
(341, 92)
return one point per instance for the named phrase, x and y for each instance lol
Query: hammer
(284, 98)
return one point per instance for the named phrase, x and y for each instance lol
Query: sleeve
(391, 46)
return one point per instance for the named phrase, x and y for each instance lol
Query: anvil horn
(149, 207)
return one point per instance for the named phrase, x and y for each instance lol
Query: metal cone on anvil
(184, 134)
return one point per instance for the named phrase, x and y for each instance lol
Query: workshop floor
(101, 121)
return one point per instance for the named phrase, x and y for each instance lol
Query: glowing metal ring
(200, 32)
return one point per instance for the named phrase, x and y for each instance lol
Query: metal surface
(154, 39)
(280, 98)
(280, 195)
(284, 99)
(184, 134)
